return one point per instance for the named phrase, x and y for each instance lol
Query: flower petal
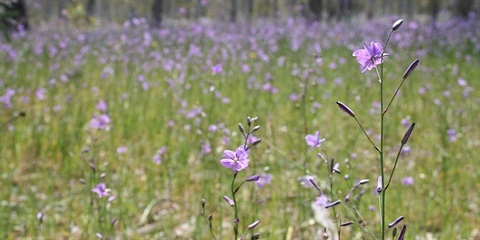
(228, 163)
(229, 154)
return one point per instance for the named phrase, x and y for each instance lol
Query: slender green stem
(364, 132)
(305, 122)
(365, 226)
(382, 138)
(332, 192)
(394, 166)
(211, 232)
(235, 219)
(393, 97)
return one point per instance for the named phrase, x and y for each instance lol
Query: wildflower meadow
(261, 130)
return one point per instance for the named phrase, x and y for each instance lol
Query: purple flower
(101, 190)
(305, 181)
(100, 122)
(206, 148)
(314, 140)
(121, 150)
(264, 179)
(157, 158)
(7, 97)
(217, 69)
(40, 93)
(452, 135)
(369, 56)
(406, 181)
(236, 161)
(294, 97)
(322, 201)
(251, 139)
(102, 106)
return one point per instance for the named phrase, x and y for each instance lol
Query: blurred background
(36, 13)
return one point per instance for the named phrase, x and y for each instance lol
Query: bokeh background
(114, 116)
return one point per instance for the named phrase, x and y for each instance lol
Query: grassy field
(149, 113)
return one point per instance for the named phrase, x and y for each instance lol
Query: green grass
(41, 169)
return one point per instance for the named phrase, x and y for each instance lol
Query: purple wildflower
(314, 140)
(101, 190)
(370, 56)
(121, 150)
(294, 97)
(206, 148)
(406, 181)
(157, 158)
(251, 139)
(452, 135)
(212, 128)
(102, 106)
(305, 181)
(7, 97)
(236, 161)
(40, 93)
(100, 122)
(217, 69)
(264, 179)
(322, 201)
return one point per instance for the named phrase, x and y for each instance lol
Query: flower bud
(396, 25)
(333, 204)
(379, 184)
(253, 178)
(410, 69)
(363, 181)
(407, 134)
(240, 127)
(229, 201)
(254, 224)
(395, 222)
(346, 224)
(345, 109)
(402, 233)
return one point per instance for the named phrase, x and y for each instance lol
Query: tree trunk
(370, 9)
(233, 11)
(463, 7)
(14, 15)
(249, 9)
(345, 9)
(89, 8)
(316, 8)
(157, 9)
(434, 11)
